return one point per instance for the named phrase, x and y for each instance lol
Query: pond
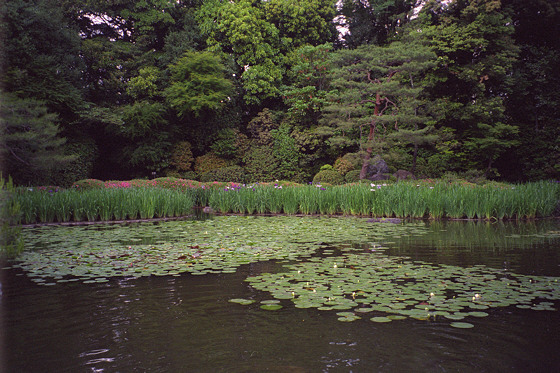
(284, 294)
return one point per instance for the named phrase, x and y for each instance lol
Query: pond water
(125, 314)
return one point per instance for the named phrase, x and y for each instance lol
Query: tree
(198, 83)
(306, 95)
(495, 140)
(374, 21)
(533, 104)
(32, 147)
(259, 34)
(302, 22)
(473, 77)
(240, 29)
(286, 152)
(372, 92)
(40, 55)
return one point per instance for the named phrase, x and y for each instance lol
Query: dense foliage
(276, 89)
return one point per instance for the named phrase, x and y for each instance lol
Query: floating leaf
(242, 301)
(461, 325)
(271, 307)
(380, 319)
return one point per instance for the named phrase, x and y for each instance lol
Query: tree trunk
(414, 155)
(371, 136)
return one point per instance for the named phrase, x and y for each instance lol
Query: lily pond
(284, 294)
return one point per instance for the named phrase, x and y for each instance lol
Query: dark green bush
(234, 174)
(187, 175)
(352, 176)
(225, 144)
(182, 156)
(287, 153)
(79, 168)
(209, 162)
(329, 176)
(260, 164)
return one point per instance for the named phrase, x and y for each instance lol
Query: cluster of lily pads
(340, 265)
(372, 283)
(222, 244)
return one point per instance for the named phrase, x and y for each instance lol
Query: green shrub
(225, 144)
(260, 164)
(189, 175)
(225, 174)
(88, 184)
(326, 167)
(11, 240)
(209, 162)
(343, 166)
(182, 156)
(232, 173)
(186, 175)
(352, 176)
(329, 176)
(286, 152)
(79, 168)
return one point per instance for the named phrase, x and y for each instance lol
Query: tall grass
(101, 204)
(403, 200)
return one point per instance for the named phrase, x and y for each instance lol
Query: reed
(101, 204)
(403, 200)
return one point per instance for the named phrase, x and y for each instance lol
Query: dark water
(186, 324)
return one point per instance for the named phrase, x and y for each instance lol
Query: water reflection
(522, 247)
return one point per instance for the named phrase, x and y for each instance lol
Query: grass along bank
(94, 200)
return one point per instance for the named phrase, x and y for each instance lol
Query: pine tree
(374, 95)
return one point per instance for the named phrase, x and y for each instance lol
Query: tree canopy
(279, 88)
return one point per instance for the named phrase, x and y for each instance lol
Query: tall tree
(240, 29)
(372, 95)
(475, 57)
(40, 54)
(309, 75)
(374, 21)
(259, 34)
(31, 145)
(301, 23)
(533, 104)
(198, 83)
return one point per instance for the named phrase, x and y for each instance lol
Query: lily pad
(380, 319)
(461, 325)
(242, 301)
(271, 307)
